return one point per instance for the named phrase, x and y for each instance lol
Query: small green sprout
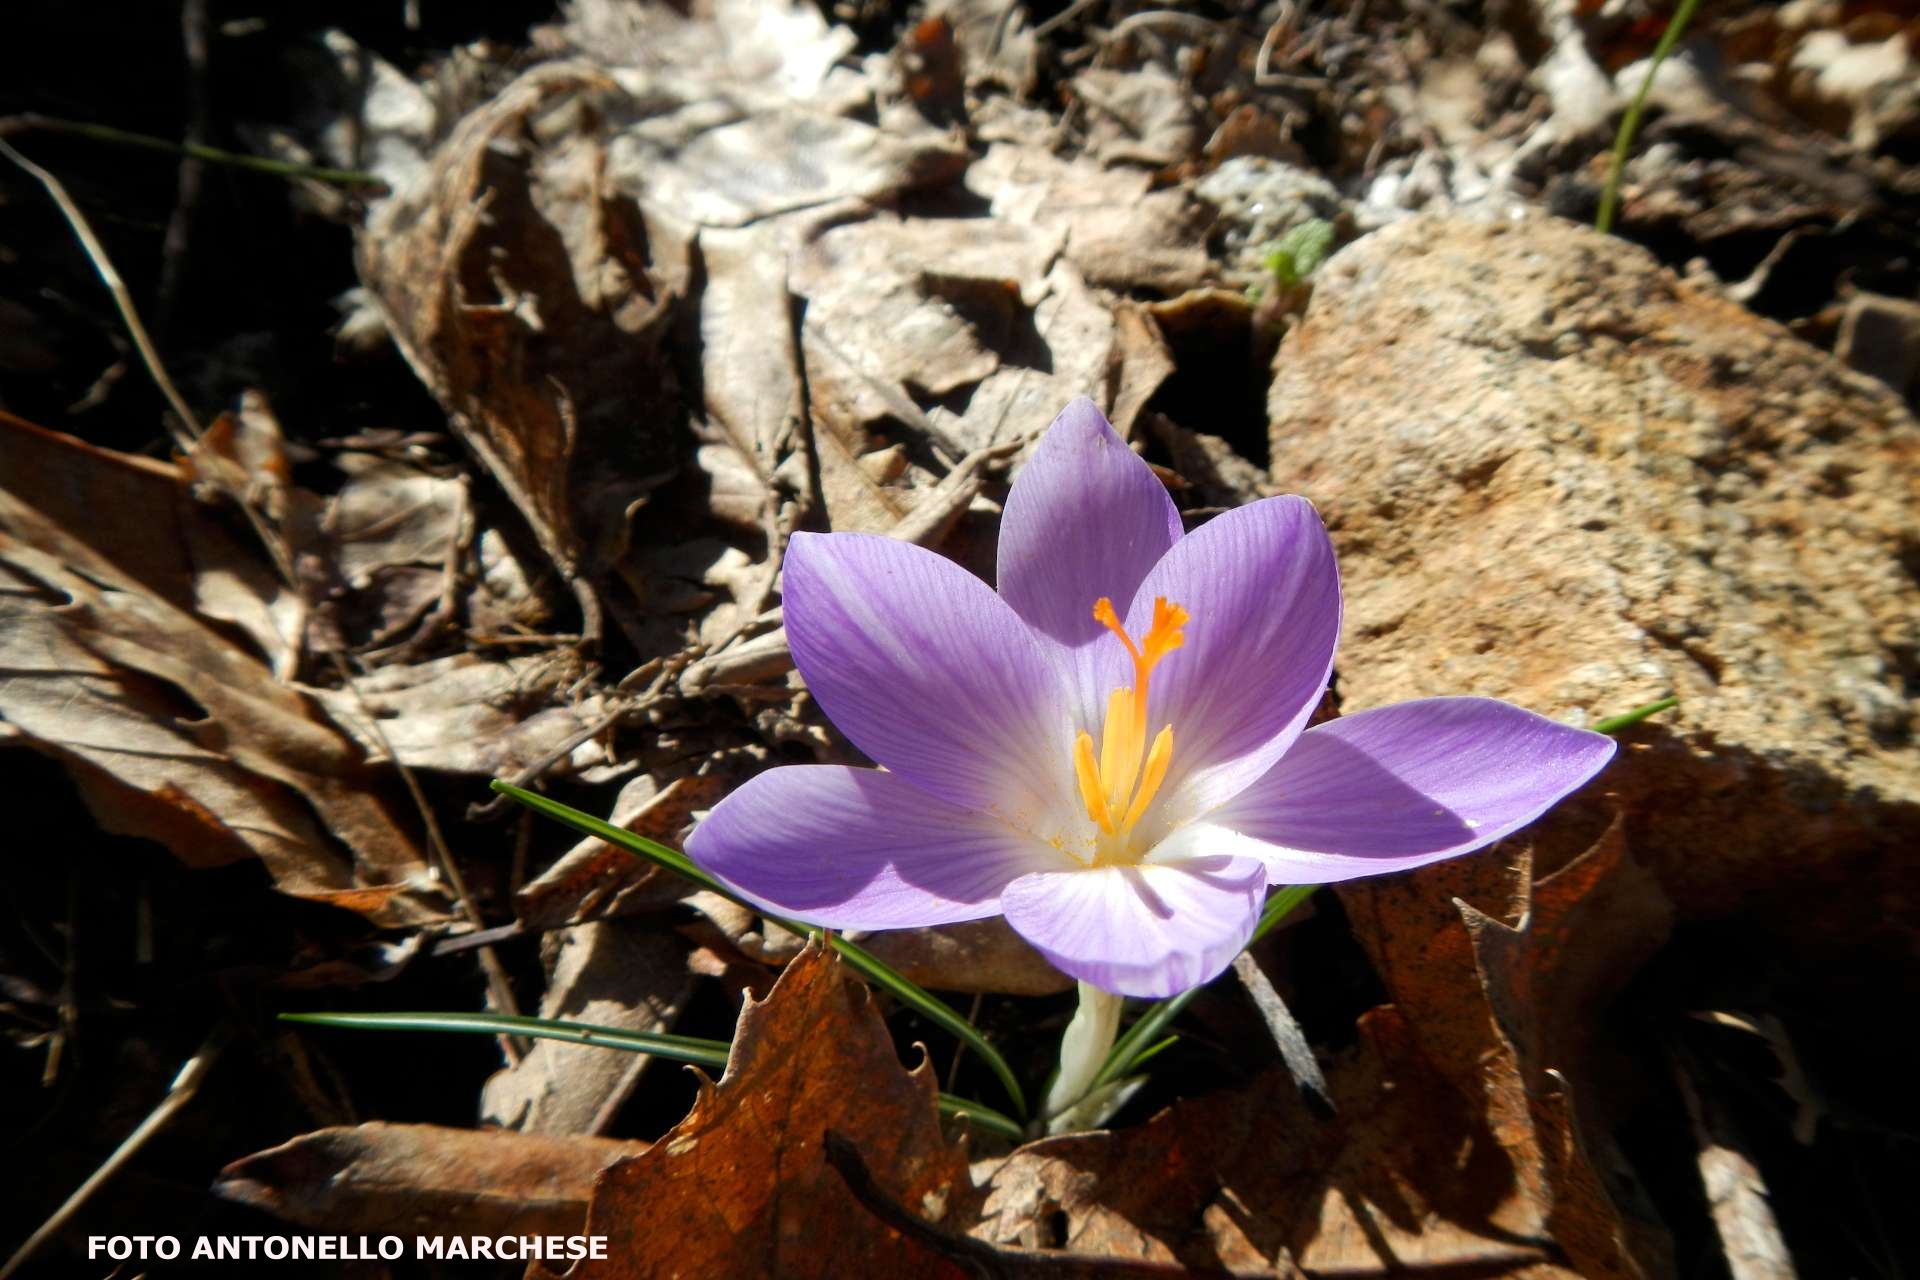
(1299, 253)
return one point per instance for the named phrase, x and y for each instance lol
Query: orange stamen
(1108, 784)
(1088, 774)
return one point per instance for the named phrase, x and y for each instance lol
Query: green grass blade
(1146, 1030)
(1627, 719)
(1155, 1050)
(981, 1117)
(588, 825)
(1630, 122)
(701, 1053)
(868, 965)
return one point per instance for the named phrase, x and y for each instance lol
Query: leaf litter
(680, 283)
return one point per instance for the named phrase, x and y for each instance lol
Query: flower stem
(1084, 1048)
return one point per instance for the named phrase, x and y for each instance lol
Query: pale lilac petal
(1399, 787)
(1150, 930)
(930, 673)
(1264, 595)
(1086, 518)
(852, 848)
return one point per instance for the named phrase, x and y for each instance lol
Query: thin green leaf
(586, 824)
(1146, 1055)
(1630, 122)
(859, 958)
(259, 164)
(1626, 720)
(1146, 1030)
(699, 1052)
(981, 1117)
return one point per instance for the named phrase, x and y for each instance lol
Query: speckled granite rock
(1557, 474)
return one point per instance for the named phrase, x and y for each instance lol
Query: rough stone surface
(1559, 475)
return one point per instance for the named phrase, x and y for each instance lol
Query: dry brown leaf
(757, 52)
(1143, 116)
(139, 513)
(1119, 231)
(594, 880)
(740, 1187)
(171, 731)
(609, 974)
(1505, 1013)
(394, 1177)
(750, 369)
(469, 715)
(1403, 1176)
(522, 289)
(393, 533)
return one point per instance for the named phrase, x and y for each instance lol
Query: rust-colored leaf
(741, 1186)
(1501, 980)
(1403, 1175)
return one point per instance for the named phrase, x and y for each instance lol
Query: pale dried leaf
(381, 1178)
(609, 975)
(171, 730)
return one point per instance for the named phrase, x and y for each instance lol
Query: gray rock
(1559, 475)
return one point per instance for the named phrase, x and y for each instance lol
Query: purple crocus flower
(1112, 750)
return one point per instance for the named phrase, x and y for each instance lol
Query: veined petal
(930, 673)
(1399, 787)
(1263, 593)
(1086, 518)
(853, 848)
(1151, 930)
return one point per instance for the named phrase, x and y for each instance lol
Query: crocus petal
(1086, 518)
(1263, 595)
(853, 848)
(1399, 787)
(1152, 930)
(930, 673)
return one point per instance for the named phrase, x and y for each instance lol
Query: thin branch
(179, 1094)
(122, 298)
(192, 150)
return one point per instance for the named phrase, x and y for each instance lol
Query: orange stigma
(1114, 786)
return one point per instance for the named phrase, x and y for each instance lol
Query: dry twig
(185, 1085)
